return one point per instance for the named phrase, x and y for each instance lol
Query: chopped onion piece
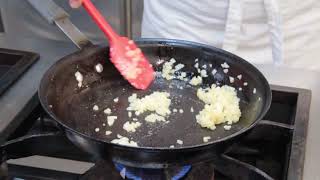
(179, 67)
(111, 119)
(99, 68)
(203, 73)
(214, 71)
(254, 90)
(196, 80)
(206, 138)
(179, 141)
(79, 78)
(131, 127)
(225, 65)
(152, 118)
(227, 127)
(124, 141)
(231, 79)
(107, 111)
(95, 108)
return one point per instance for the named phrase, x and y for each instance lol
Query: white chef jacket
(284, 32)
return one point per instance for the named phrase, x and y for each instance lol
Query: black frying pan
(71, 107)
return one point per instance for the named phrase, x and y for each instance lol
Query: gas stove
(274, 149)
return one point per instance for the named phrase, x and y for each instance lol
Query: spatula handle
(100, 20)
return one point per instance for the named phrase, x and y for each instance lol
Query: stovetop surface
(274, 149)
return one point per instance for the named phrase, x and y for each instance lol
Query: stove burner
(140, 174)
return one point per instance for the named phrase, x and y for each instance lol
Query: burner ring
(130, 172)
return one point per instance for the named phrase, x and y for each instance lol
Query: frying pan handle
(56, 15)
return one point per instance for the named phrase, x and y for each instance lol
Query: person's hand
(75, 3)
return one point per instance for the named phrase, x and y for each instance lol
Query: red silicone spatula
(124, 53)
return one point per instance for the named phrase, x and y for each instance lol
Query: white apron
(277, 32)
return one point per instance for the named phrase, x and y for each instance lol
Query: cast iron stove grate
(273, 150)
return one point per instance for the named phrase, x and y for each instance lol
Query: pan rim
(141, 41)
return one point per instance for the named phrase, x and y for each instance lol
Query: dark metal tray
(13, 63)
